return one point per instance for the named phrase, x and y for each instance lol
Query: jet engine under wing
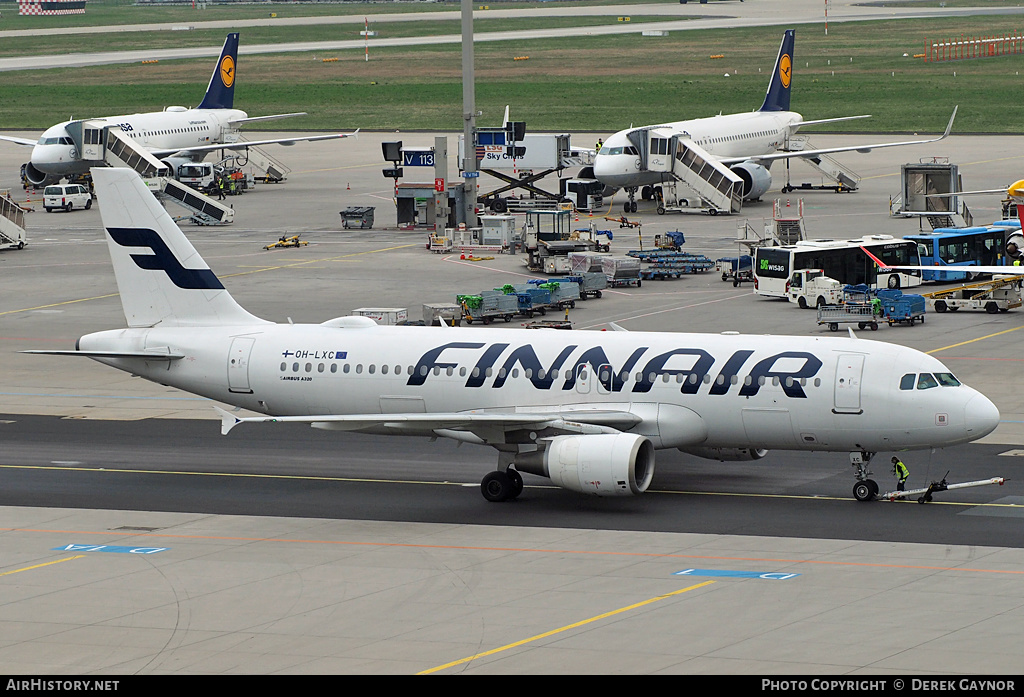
(243, 144)
(484, 425)
(847, 148)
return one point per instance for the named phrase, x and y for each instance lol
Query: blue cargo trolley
(901, 308)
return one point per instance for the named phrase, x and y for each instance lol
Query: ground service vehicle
(843, 260)
(66, 197)
(808, 287)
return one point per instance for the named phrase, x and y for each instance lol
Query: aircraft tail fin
(221, 92)
(777, 98)
(160, 275)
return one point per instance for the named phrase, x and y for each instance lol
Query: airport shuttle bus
(843, 260)
(961, 247)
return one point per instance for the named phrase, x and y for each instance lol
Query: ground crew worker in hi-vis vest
(901, 472)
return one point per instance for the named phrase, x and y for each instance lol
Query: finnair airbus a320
(175, 135)
(586, 409)
(747, 143)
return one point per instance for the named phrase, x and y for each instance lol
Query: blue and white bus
(962, 248)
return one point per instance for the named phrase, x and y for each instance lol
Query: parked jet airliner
(746, 142)
(586, 409)
(176, 135)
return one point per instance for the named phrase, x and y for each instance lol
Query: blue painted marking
(724, 573)
(110, 548)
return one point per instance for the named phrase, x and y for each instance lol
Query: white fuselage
(173, 129)
(690, 390)
(728, 136)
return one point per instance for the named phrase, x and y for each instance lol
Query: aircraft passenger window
(679, 378)
(515, 372)
(295, 367)
(947, 379)
(284, 367)
(665, 377)
(309, 367)
(605, 375)
(817, 382)
(734, 379)
(720, 380)
(907, 381)
(761, 380)
(476, 372)
(707, 379)
(450, 371)
(334, 367)
(347, 368)
(437, 370)
(926, 381)
(651, 377)
(384, 369)
(540, 373)
(489, 372)
(462, 372)
(747, 380)
(639, 377)
(320, 368)
(528, 373)
(693, 378)
(359, 368)
(554, 373)
(501, 373)
(775, 381)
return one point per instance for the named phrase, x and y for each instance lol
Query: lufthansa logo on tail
(785, 70)
(227, 71)
(163, 259)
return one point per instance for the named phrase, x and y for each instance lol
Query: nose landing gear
(866, 489)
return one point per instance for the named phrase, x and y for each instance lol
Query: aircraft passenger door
(238, 364)
(849, 371)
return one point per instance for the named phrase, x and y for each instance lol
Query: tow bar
(926, 494)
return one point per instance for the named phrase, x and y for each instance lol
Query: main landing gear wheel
(501, 486)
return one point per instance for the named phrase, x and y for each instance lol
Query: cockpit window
(926, 381)
(907, 381)
(611, 151)
(947, 379)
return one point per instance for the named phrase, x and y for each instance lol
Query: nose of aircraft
(980, 416)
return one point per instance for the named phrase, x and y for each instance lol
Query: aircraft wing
(848, 148)
(20, 141)
(245, 144)
(487, 426)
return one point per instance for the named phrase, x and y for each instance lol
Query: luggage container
(901, 308)
(435, 313)
(621, 271)
(383, 315)
(357, 216)
(591, 283)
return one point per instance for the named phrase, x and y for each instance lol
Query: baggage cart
(357, 217)
(591, 283)
(834, 315)
(564, 293)
(383, 315)
(901, 308)
(621, 271)
(488, 306)
(739, 269)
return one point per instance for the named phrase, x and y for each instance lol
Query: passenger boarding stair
(662, 150)
(843, 177)
(109, 144)
(267, 169)
(12, 223)
(787, 226)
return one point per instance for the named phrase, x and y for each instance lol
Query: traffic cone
(348, 186)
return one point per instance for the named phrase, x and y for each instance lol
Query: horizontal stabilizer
(272, 117)
(818, 122)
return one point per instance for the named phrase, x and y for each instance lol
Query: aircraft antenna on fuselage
(777, 98)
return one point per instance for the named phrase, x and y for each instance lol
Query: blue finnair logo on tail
(163, 259)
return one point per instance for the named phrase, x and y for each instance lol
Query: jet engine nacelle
(727, 454)
(614, 464)
(37, 177)
(756, 179)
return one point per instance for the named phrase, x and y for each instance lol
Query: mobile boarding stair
(679, 158)
(12, 223)
(267, 169)
(108, 144)
(787, 225)
(842, 177)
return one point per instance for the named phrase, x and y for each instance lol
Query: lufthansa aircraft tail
(221, 92)
(777, 98)
(161, 277)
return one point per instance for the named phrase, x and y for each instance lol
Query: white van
(66, 196)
